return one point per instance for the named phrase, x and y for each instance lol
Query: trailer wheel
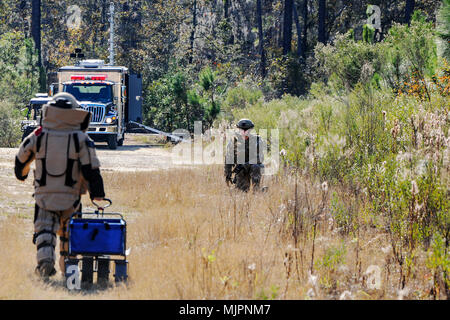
(87, 272)
(112, 141)
(103, 271)
(121, 274)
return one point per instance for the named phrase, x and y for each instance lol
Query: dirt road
(135, 155)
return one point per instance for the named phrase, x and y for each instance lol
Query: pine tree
(443, 29)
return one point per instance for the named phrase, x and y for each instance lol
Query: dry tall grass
(193, 238)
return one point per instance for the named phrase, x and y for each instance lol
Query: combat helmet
(245, 124)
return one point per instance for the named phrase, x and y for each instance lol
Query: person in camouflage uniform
(66, 167)
(244, 157)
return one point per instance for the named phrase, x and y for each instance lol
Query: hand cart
(95, 242)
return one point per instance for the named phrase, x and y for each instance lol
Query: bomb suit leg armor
(46, 224)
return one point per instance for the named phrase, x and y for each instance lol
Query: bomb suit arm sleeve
(90, 168)
(26, 155)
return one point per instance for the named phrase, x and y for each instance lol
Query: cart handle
(95, 214)
(99, 208)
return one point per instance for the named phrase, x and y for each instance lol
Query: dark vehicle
(34, 113)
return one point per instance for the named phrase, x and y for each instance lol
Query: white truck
(112, 95)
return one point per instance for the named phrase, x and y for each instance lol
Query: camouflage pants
(47, 224)
(248, 174)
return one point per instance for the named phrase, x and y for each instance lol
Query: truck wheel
(26, 132)
(120, 142)
(112, 141)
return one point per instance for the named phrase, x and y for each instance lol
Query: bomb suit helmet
(64, 100)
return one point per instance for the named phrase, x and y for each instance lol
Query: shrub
(9, 125)
(241, 96)
(407, 51)
(169, 103)
(18, 66)
(351, 61)
(287, 75)
(410, 52)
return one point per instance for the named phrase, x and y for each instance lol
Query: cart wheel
(103, 271)
(121, 271)
(87, 273)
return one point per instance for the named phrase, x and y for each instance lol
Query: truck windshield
(90, 92)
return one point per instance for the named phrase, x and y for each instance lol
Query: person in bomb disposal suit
(66, 167)
(244, 157)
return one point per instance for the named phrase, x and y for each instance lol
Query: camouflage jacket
(244, 151)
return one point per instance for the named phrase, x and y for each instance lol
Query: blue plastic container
(97, 236)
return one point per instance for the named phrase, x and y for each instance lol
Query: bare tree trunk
(287, 26)
(36, 35)
(305, 27)
(409, 9)
(299, 32)
(322, 17)
(226, 13)
(36, 27)
(226, 6)
(194, 26)
(262, 54)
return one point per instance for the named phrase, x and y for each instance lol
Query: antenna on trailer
(111, 33)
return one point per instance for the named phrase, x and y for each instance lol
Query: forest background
(361, 107)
